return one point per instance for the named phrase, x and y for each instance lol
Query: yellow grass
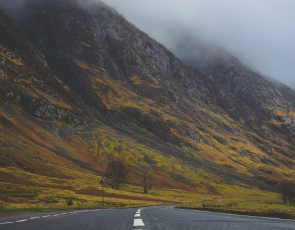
(36, 191)
(85, 44)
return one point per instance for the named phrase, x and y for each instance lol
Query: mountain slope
(41, 128)
(228, 71)
(28, 82)
(286, 91)
(109, 91)
(31, 94)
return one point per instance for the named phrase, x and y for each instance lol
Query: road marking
(6, 223)
(19, 221)
(38, 217)
(56, 215)
(240, 215)
(138, 223)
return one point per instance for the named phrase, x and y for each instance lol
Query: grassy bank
(25, 191)
(252, 208)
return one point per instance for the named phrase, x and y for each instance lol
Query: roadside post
(103, 182)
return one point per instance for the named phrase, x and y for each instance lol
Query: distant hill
(80, 86)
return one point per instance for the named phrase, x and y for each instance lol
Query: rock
(2, 74)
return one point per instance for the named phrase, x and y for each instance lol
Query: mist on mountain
(260, 33)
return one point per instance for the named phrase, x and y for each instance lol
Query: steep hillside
(82, 86)
(33, 102)
(227, 70)
(285, 90)
(47, 131)
(272, 101)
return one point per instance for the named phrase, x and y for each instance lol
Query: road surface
(152, 218)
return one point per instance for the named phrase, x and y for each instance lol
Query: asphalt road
(152, 218)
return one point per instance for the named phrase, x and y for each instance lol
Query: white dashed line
(19, 221)
(55, 215)
(137, 221)
(6, 223)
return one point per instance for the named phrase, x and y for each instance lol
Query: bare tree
(116, 173)
(292, 194)
(283, 190)
(287, 192)
(147, 180)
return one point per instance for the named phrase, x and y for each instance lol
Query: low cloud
(15, 8)
(260, 32)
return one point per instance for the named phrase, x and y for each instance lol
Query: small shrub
(69, 201)
(2, 206)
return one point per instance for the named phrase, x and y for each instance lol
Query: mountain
(32, 98)
(269, 98)
(228, 71)
(285, 90)
(80, 86)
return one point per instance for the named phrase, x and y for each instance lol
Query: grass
(87, 195)
(47, 193)
(56, 179)
(247, 207)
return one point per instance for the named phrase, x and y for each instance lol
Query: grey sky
(260, 31)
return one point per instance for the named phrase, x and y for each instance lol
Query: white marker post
(103, 182)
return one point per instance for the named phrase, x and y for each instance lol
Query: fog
(259, 32)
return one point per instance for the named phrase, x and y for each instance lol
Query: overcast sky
(261, 31)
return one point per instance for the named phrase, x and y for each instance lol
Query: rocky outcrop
(27, 81)
(286, 91)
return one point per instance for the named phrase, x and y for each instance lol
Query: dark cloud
(260, 32)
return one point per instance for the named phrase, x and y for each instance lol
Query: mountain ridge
(116, 93)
